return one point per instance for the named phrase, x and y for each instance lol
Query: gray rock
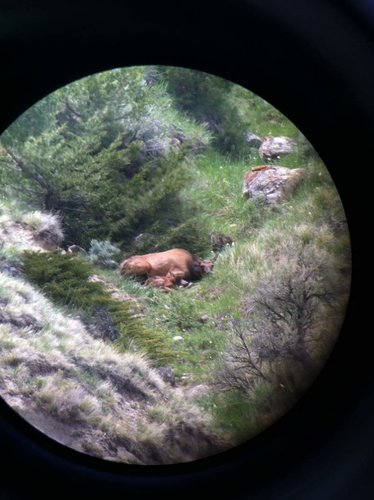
(220, 241)
(254, 141)
(274, 183)
(275, 147)
(76, 249)
(48, 239)
(10, 270)
(178, 338)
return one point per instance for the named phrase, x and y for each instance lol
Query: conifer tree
(86, 152)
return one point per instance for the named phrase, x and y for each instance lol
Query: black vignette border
(314, 62)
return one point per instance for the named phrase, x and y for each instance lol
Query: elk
(165, 269)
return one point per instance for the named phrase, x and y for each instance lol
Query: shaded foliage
(212, 101)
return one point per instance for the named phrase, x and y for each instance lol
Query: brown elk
(176, 264)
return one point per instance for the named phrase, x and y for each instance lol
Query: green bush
(102, 252)
(64, 278)
(9, 255)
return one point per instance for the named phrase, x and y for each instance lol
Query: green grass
(107, 401)
(233, 414)
(258, 232)
(64, 278)
(262, 117)
(180, 313)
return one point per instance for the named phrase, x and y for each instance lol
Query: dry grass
(51, 368)
(20, 231)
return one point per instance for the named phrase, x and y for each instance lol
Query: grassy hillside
(87, 394)
(131, 373)
(200, 318)
(267, 241)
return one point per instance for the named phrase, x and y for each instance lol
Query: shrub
(189, 235)
(102, 252)
(9, 255)
(63, 277)
(210, 101)
(284, 319)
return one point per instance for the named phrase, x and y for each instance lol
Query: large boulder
(274, 147)
(275, 184)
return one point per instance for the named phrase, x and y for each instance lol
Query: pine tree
(99, 152)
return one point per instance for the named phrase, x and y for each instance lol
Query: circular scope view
(174, 265)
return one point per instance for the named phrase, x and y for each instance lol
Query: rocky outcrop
(155, 138)
(274, 147)
(275, 184)
(48, 239)
(220, 241)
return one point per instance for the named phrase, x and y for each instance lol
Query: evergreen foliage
(104, 153)
(64, 278)
(214, 102)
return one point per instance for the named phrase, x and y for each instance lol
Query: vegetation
(65, 278)
(103, 155)
(102, 252)
(139, 160)
(106, 403)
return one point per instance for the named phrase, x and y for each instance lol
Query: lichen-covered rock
(275, 147)
(275, 184)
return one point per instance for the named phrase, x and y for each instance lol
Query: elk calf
(164, 282)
